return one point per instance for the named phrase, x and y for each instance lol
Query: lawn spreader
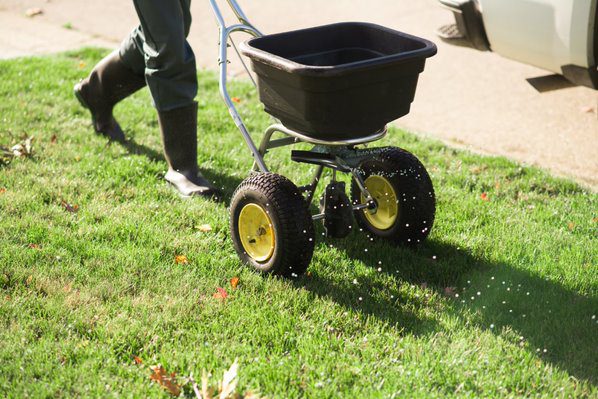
(335, 87)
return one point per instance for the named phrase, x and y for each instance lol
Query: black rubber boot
(179, 135)
(109, 82)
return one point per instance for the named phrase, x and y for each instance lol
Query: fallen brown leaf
(221, 294)
(53, 139)
(69, 208)
(205, 228)
(2, 190)
(236, 100)
(226, 388)
(571, 226)
(484, 197)
(229, 381)
(137, 360)
(34, 246)
(165, 380)
(32, 12)
(23, 149)
(181, 260)
(234, 282)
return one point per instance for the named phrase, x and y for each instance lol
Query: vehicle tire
(404, 194)
(271, 226)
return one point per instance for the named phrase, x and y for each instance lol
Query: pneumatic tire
(271, 226)
(404, 194)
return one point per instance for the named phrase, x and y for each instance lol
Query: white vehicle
(557, 35)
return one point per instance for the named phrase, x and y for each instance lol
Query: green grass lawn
(82, 293)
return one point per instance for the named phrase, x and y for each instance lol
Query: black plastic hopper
(340, 81)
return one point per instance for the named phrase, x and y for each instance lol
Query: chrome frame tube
(225, 32)
(334, 143)
(240, 14)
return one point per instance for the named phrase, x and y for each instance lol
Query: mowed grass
(84, 292)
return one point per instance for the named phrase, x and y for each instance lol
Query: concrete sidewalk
(466, 98)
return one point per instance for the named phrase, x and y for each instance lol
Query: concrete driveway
(466, 98)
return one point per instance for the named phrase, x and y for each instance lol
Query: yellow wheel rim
(256, 232)
(385, 216)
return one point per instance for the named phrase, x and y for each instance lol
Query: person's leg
(110, 81)
(169, 60)
(131, 54)
(172, 78)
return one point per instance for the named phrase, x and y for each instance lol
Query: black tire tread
(286, 200)
(410, 179)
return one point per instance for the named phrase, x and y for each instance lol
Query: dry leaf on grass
(571, 226)
(23, 149)
(68, 207)
(34, 246)
(2, 190)
(181, 260)
(484, 197)
(53, 139)
(236, 100)
(221, 294)
(234, 282)
(137, 360)
(32, 12)
(205, 228)
(229, 381)
(226, 388)
(166, 381)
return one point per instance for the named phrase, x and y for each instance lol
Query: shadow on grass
(135, 148)
(227, 183)
(547, 315)
(224, 181)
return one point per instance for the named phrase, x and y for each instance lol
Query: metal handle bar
(239, 12)
(243, 20)
(225, 32)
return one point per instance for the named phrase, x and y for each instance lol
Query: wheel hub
(256, 232)
(386, 211)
